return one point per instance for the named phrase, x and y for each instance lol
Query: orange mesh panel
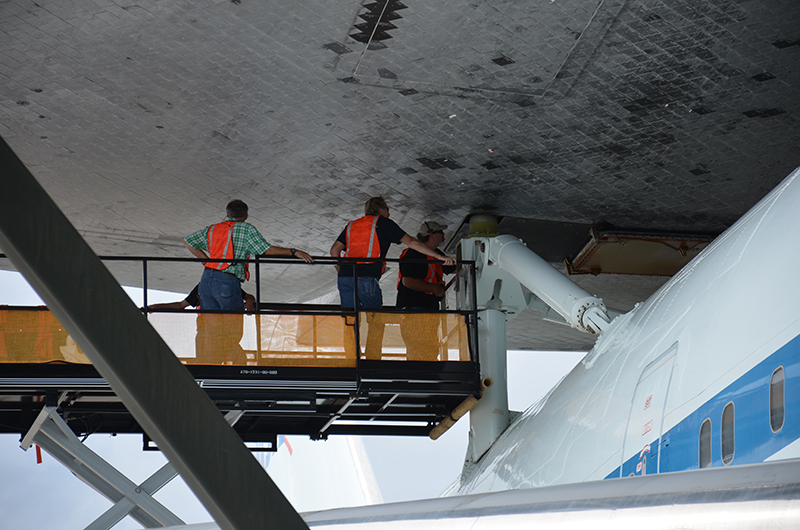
(414, 337)
(35, 337)
(256, 340)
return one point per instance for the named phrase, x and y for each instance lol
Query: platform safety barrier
(36, 336)
(315, 369)
(273, 334)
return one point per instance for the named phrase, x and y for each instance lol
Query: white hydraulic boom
(503, 266)
(579, 308)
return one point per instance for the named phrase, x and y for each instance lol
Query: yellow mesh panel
(256, 340)
(414, 336)
(35, 337)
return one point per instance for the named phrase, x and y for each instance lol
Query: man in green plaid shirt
(233, 238)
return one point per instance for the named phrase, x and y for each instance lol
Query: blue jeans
(369, 292)
(220, 290)
(369, 297)
(220, 335)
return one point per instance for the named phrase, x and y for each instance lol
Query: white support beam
(126, 506)
(154, 386)
(150, 486)
(53, 435)
(580, 309)
(490, 417)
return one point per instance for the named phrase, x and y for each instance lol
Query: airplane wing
(743, 497)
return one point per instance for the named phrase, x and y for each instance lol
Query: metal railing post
(357, 328)
(474, 313)
(144, 286)
(258, 285)
(258, 311)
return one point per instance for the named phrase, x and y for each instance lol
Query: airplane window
(776, 401)
(728, 443)
(705, 444)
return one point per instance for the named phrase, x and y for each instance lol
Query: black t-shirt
(408, 298)
(193, 298)
(387, 232)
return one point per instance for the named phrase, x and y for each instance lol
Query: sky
(405, 468)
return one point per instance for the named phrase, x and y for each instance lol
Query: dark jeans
(369, 292)
(220, 290)
(221, 334)
(369, 297)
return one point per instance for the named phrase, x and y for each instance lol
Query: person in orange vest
(420, 288)
(370, 237)
(220, 284)
(420, 285)
(233, 238)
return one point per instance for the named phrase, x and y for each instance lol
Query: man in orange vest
(370, 237)
(220, 285)
(421, 285)
(420, 288)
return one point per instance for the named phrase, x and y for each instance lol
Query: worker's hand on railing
(448, 260)
(303, 256)
(284, 251)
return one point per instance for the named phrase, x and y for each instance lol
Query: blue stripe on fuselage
(754, 439)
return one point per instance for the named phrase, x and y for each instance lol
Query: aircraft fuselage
(702, 374)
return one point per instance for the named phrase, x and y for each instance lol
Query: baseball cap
(429, 227)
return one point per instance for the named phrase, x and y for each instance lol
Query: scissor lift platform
(381, 397)
(312, 386)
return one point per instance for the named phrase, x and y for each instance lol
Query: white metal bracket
(53, 435)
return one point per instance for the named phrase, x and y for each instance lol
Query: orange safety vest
(435, 272)
(361, 239)
(220, 246)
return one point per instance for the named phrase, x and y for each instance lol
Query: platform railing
(311, 334)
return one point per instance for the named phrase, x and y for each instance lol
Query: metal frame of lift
(50, 432)
(423, 392)
(395, 398)
(357, 398)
